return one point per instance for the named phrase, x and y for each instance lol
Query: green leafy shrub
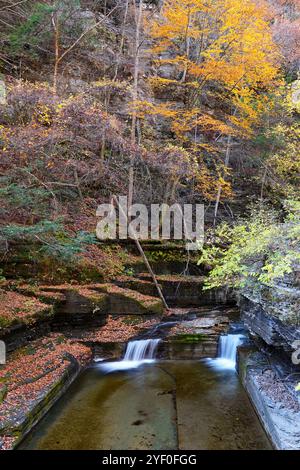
(256, 251)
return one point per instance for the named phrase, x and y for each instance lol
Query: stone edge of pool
(280, 421)
(27, 420)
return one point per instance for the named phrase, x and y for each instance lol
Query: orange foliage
(218, 58)
(215, 44)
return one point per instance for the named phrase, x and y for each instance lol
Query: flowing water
(158, 405)
(227, 351)
(137, 353)
(228, 345)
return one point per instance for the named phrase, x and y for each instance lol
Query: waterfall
(228, 345)
(227, 350)
(141, 350)
(137, 353)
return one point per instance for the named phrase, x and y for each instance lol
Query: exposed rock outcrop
(178, 289)
(273, 313)
(33, 380)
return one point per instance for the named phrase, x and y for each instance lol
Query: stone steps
(165, 266)
(83, 306)
(125, 301)
(180, 290)
(100, 299)
(22, 318)
(145, 287)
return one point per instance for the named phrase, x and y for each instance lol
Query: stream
(143, 403)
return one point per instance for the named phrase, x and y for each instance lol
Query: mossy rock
(83, 301)
(133, 319)
(129, 302)
(47, 297)
(142, 286)
(4, 322)
(187, 338)
(19, 309)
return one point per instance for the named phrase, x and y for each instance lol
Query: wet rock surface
(100, 319)
(272, 314)
(193, 333)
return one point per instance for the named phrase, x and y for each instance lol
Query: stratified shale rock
(273, 313)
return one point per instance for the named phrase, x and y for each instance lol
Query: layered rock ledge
(33, 379)
(273, 312)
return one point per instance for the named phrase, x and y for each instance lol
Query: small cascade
(141, 350)
(137, 353)
(227, 350)
(228, 345)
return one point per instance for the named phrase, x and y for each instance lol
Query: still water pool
(160, 405)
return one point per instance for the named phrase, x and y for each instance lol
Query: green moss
(60, 340)
(90, 273)
(133, 320)
(4, 322)
(164, 256)
(189, 338)
(29, 351)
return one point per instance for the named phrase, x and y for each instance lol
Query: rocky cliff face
(273, 313)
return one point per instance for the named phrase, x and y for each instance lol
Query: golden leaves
(146, 108)
(234, 48)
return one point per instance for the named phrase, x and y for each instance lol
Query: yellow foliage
(43, 115)
(107, 82)
(207, 183)
(223, 64)
(235, 50)
(146, 108)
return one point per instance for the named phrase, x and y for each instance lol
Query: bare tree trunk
(103, 147)
(169, 198)
(226, 163)
(78, 184)
(263, 184)
(108, 94)
(122, 40)
(55, 25)
(187, 46)
(139, 16)
(133, 235)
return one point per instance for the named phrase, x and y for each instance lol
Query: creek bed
(159, 405)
